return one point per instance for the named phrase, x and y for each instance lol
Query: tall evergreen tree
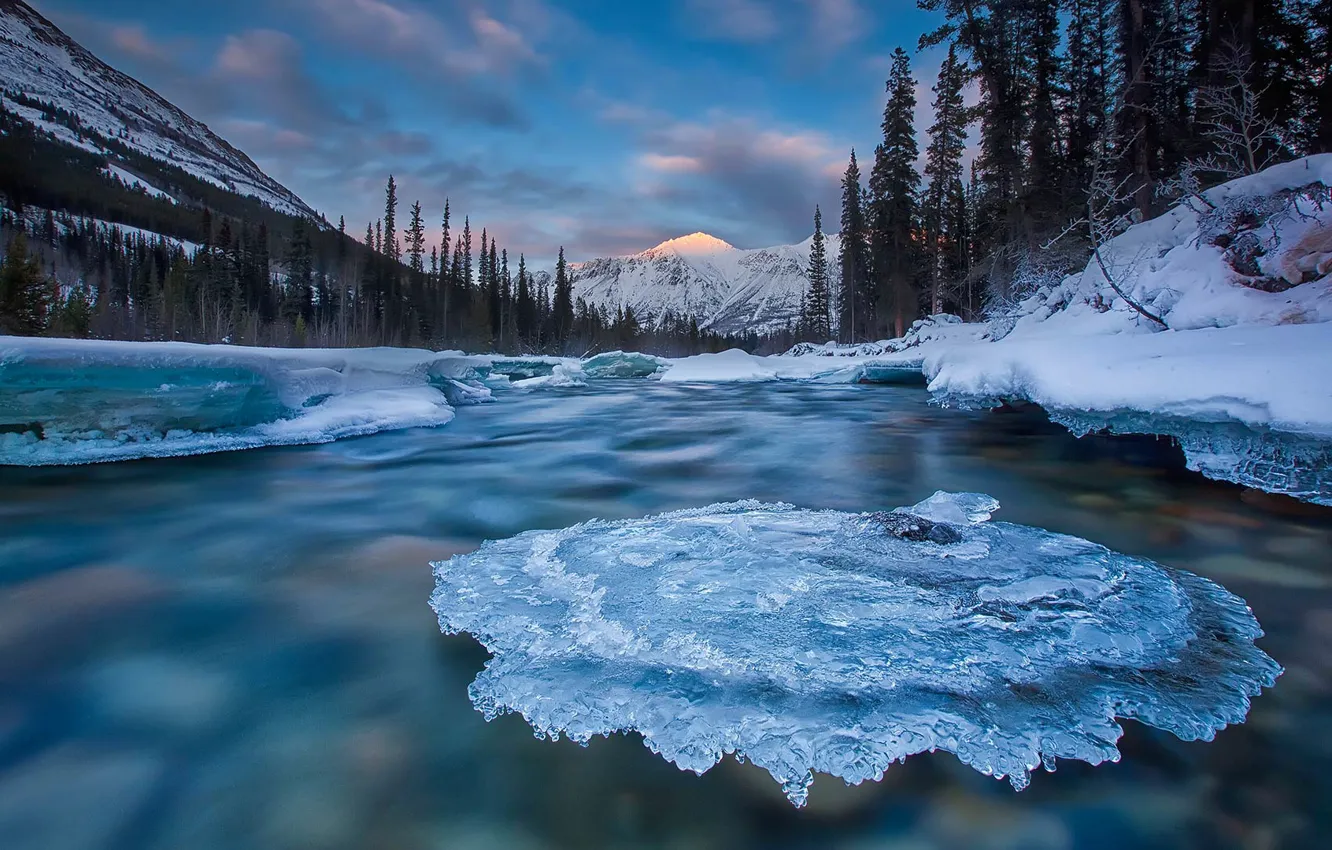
(894, 183)
(525, 307)
(391, 249)
(467, 253)
(817, 307)
(943, 171)
(416, 241)
(562, 308)
(853, 257)
(24, 295)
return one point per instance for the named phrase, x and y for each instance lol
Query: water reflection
(236, 650)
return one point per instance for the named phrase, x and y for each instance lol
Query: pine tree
(524, 307)
(562, 309)
(493, 293)
(1043, 198)
(894, 184)
(815, 315)
(1087, 98)
(416, 241)
(467, 253)
(444, 283)
(852, 256)
(943, 171)
(390, 247)
(24, 295)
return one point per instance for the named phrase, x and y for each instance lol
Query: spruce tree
(390, 247)
(416, 241)
(943, 171)
(816, 313)
(24, 294)
(467, 253)
(525, 306)
(493, 293)
(894, 184)
(562, 308)
(852, 256)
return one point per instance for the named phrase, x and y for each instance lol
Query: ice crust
(819, 641)
(1279, 462)
(72, 402)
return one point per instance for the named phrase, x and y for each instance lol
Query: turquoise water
(236, 650)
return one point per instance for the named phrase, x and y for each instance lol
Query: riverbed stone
(75, 798)
(58, 616)
(1230, 567)
(163, 695)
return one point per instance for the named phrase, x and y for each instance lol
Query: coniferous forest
(1077, 118)
(1087, 116)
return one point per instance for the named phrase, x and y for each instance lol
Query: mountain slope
(728, 290)
(98, 109)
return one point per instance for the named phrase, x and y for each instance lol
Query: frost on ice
(840, 643)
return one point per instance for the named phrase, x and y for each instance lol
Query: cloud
(836, 23)
(748, 21)
(134, 40)
(672, 163)
(754, 181)
(461, 50)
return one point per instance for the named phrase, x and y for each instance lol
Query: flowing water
(236, 650)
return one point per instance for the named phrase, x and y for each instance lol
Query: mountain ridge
(726, 289)
(39, 62)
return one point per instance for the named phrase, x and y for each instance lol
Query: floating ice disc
(823, 641)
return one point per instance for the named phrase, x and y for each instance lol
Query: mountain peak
(694, 243)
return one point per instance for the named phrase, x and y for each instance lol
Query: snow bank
(77, 401)
(822, 641)
(87, 401)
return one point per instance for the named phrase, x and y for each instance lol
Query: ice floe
(819, 641)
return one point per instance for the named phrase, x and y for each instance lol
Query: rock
(917, 529)
(74, 798)
(1208, 515)
(58, 616)
(980, 823)
(1097, 502)
(1273, 503)
(1303, 547)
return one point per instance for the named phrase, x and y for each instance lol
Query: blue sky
(606, 126)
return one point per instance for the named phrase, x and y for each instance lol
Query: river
(236, 650)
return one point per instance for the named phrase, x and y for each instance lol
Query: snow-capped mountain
(727, 289)
(40, 62)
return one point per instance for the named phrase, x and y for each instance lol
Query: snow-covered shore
(1242, 279)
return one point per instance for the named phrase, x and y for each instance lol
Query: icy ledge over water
(66, 401)
(840, 643)
(81, 401)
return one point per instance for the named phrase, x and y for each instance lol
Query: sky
(605, 126)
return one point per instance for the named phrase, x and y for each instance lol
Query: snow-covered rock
(726, 289)
(40, 61)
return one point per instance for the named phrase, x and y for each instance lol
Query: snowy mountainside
(727, 289)
(42, 63)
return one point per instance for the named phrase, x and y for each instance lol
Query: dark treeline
(1093, 114)
(207, 265)
(68, 275)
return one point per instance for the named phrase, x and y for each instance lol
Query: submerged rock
(823, 641)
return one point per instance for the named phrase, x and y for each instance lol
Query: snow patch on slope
(42, 62)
